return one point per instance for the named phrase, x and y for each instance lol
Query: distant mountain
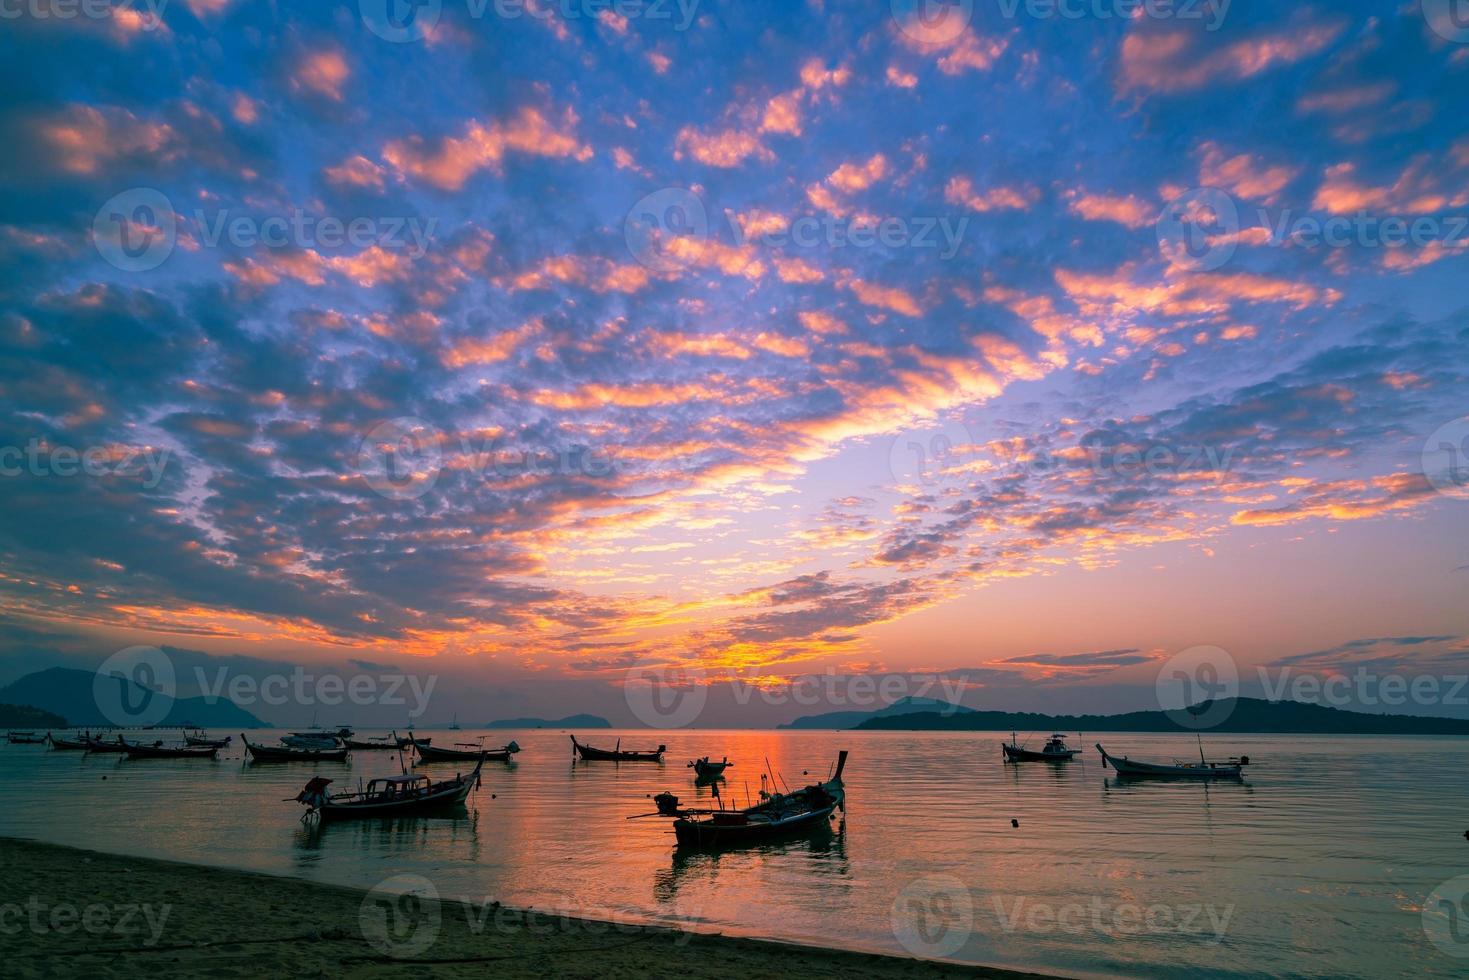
(898, 709)
(1244, 715)
(68, 693)
(24, 716)
(570, 721)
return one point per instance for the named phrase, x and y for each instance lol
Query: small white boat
(1055, 750)
(1203, 769)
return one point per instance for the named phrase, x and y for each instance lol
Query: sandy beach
(75, 913)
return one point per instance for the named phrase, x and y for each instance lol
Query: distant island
(67, 693)
(25, 716)
(1243, 715)
(570, 721)
(854, 719)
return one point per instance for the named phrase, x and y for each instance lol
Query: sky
(1006, 350)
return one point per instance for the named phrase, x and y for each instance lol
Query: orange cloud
(1129, 211)
(960, 190)
(1179, 60)
(886, 297)
(453, 160)
(322, 73)
(1242, 174)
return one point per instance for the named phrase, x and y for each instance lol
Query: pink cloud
(322, 73)
(1180, 60)
(451, 161)
(961, 190)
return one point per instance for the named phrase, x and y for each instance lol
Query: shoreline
(70, 912)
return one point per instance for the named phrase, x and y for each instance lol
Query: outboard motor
(667, 804)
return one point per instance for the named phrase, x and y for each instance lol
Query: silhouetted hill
(570, 721)
(68, 693)
(24, 716)
(1246, 715)
(852, 719)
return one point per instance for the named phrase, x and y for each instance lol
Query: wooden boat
(590, 754)
(285, 753)
(68, 744)
(25, 738)
(1203, 769)
(392, 796)
(1055, 750)
(309, 740)
(158, 750)
(202, 740)
(706, 770)
(99, 745)
(380, 743)
(777, 815)
(465, 752)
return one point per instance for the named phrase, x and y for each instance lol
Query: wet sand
(73, 913)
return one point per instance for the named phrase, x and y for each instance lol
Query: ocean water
(1319, 865)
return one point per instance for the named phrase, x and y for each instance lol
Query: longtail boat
(777, 815)
(202, 740)
(706, 770)
(380, 743)
(101, 746)
(392, 796)
(158, 750)
(68, 744)
(590, 754)
(1055, 750)
(285, 753)
(25, 738)
(1203, 769)
(464, 752)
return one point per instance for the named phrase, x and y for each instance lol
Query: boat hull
(1014, 754)
(268, 753)
(166, 752)
(434, 803)
(1129, 769)
(68, 745)
(589, 754)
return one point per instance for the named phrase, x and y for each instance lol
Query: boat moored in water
(777, 815)
(287, 753)
(25, 738)
(706, 770)
(391, 796)
(160, 750)
(202, 740)
(1203, 769)
(68, 744)
(1055, 750)
(464, 752)
(590, 754)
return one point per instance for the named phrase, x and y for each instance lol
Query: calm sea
(1319, 865)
